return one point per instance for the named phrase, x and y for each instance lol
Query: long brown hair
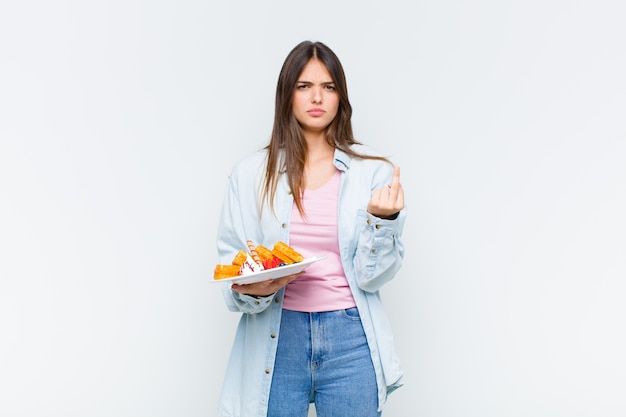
(287, 147)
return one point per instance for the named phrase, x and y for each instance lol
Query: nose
(316, 95)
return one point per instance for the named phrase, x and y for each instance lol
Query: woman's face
(315, 99)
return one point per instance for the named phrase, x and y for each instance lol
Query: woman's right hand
(389, 200)
(264, 288)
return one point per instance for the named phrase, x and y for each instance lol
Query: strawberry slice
(271, 263)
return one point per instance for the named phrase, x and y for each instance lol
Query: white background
(120, 120)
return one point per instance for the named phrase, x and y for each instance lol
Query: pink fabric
(323, 286)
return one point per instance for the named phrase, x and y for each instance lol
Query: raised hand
(389, 200)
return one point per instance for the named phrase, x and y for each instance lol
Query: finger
(395, 180)
(400, 199)
(377, 194)
(287, 279)
(395, 184)
(255, 288)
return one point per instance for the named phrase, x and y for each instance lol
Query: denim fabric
(371, 250)
(323, 358)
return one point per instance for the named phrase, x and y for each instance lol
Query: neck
(318, 167)
(317, 147)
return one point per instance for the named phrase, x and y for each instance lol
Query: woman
(320, 336)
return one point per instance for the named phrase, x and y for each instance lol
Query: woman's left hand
(387, 201)
(265, 288)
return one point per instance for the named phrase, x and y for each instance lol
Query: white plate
(278, 272)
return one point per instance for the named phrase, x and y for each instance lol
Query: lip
(316, 112)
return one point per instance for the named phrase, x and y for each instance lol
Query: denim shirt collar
(342, 160)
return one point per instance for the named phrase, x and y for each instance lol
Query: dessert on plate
(258, 258)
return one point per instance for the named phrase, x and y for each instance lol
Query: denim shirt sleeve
(245, 303)
(238, 223)
(380, 250)
(377, 249)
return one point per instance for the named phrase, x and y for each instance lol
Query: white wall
(119, 122)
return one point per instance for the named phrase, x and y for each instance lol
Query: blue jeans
(323, 358)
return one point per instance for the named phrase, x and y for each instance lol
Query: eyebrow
(310, 82)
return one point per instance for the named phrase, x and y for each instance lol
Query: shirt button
(369, 221)
(373, 251)
(277, 299)
(378, 226)
(273, 335)
(284, 225)
(267, 370)
(257, 302)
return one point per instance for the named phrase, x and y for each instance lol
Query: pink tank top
(323, 286)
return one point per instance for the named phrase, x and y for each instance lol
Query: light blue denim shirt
(371, 252)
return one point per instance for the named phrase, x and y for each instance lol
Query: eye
(302, 86)
(330, 87)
